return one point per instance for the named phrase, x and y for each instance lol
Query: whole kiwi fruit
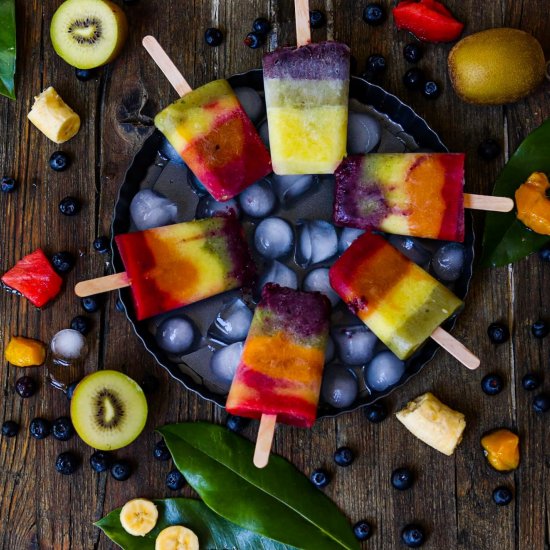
(496, 66)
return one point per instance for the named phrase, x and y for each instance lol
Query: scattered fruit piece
(532, 203)
(67, 463)
(402, 479)
(213, 37)
(59, 161)
(489, 149)
(498, 333)
(374, 14)
(108, 410)
(320, 478)
(540, 329)
(81, 324)
(376, 412)
(88, 33)
(119, 306)
(26, 386)
(531, 381)
(62, 428)
(69, 206)
(502, 496)
(433, 422)
(431, 90)
(412, 52)
(362, 530)
(101, 461)
(492, 384)
(7, 184)
(176, 536)
(317, 19)
(90, 304)
(101, 245)
(85, 74)
(121, 470)
(40, 428)
(10, 428)
(496, 66)
(544, 253)
(376, 63)
(161, 452)
(413, 535)
(414, 79)
(34, 277)
(25, 352)
(263, 26)
(53, 117)
(175, 480)
(344, 456)
(70, 390)
(63, 262)
(139, 517)
(541, 403)
(236, 423)
(254, 40)
(501, 448)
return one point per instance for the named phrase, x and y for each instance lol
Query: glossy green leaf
(505, 239)
(278, 501)
(7, 48)
(212, 531)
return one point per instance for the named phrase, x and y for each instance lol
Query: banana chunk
(433, 422)
(177, 537)
(53, 117)
(139, 516)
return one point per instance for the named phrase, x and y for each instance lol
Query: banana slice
(139, 516)
(177, 537)
(52, 116)
(433, 423)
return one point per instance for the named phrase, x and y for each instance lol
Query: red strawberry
(34, 277)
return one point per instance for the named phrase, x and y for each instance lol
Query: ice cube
(412, 249)
(317, 280)
(280, 274)
(317, 242)
(224, 363)
(232, 322)
(273, 238)
(258, 200)
(176, 335)
(348, 235)
(448, 262)
(150, 209)
(363, 133)
(263, 130)
(208, 207)
(384, 371)
(68, 346)
(288, 188)
(355, 344)
(339, 387)
(251, 102)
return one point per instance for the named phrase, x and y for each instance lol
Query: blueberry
(70, 389)
(376, 412)
(161, 452)
(101, 245)
(489, 149)
(541, 402)
(90, 304)
(213, 36)
(62, 428)
(175, 480)
(531, 381)
(261, 25)
(121, 470)
(544, 253)
(40, 428)
(317, 19)
(119, 306)
(101, 461)
(254, 40)
(149, 384)
(402, 479)
(491, 384)
(81, 323)
(498, 333)
(85, 74)
(431, 90)
(236, 423)
(320, 478)
(69, 206)
(59, 161)
(10, 428)
(502, 496)
(412, 52)
(26, 386)
(540, 329)
(63, 262)
(413, 535)
(344, 456)
(67, 463)
(413, 79)
(362, 530)
(376, 64)
(7, 184)
(374, 14)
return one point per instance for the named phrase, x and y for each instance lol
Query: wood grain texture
(452, 495)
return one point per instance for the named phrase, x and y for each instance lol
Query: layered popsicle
(176, 265)
(210, 130)
(306, 93)
(283, 357)
(396, 299)
(417, 194)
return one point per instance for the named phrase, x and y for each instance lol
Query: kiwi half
(108, 410)
(88, 33)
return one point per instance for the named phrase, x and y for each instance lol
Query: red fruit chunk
(34, 277)
(428, 20)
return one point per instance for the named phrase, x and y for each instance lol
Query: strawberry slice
(34, 277)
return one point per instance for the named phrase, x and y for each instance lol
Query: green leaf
(212, 531)
(7, 48)
(277, 501)
(505, 239)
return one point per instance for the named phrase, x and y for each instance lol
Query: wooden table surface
(40, 508)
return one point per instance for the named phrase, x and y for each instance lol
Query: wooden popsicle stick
(264, 440)
(488, 203)
(303, 30)
(166, 65)
(102, 284)
(457, 349)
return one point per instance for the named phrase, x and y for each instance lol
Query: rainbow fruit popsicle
(417, 194)
(172, 266)
(212, 133)
(394, 297)
(306, 93)
(284, 354)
